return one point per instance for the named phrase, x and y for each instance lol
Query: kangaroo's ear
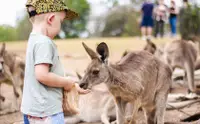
(90, 52)
(151, 43)
(148, 41)
(79, 76)
(103, 51)
(125, 53)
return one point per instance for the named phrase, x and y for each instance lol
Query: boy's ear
(50, 18)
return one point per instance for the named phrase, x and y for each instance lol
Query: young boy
(44, 74)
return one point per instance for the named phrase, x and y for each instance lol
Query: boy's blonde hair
(36, 18)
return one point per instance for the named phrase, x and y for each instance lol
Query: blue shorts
(53, 119)
(26, 121)
(147, 22)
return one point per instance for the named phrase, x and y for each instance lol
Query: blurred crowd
(156, 15)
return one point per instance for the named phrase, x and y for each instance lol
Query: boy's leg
(54, 119)
(58, 118)
(26, 121)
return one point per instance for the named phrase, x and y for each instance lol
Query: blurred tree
(73, 28)
(190, 22)
(7, 33)
(121, 21)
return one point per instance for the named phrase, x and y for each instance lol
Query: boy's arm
(43, 59)
(50, 79)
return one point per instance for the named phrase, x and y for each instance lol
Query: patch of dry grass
(74, 47)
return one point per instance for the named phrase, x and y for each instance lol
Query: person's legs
(174, 25)
(143, 31)
(162, 28)
(156, 28)
(170, 22)
(149, 32)
(143, 28)
(159, 28)
(149, 27)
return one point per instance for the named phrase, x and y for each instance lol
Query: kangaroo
(139, 78)
(178, 53)
(11, 71)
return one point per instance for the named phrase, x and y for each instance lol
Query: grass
(74, 45)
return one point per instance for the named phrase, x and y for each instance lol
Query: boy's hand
(72, 81)
(80, 90)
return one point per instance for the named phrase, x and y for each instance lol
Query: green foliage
(7, 33)
(73, 28)
(190, 22)
(121, 21)
(138, 2)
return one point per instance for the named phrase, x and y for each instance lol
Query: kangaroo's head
(96, 71)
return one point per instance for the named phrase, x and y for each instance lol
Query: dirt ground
(75, 59)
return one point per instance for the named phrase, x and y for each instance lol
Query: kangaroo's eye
(95, 72)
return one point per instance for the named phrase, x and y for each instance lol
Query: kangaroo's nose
(83, 85)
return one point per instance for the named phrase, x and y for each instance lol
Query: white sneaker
(149, 37)
(144, 38)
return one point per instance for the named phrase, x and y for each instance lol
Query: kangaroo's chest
(122, 93)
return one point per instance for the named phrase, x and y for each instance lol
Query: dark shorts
(147, 22)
